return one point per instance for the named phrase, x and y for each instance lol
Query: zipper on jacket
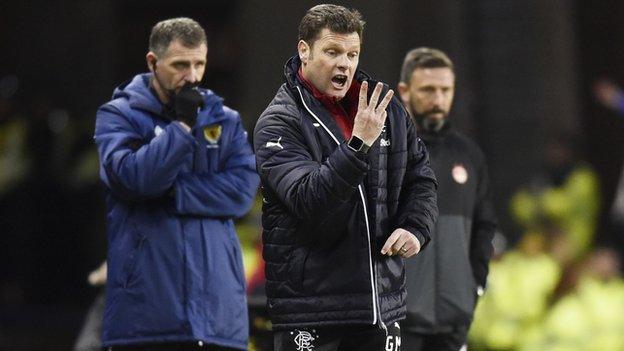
(373, 268)
(373, 276)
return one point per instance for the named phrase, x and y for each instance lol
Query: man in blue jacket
(348, 195)
(177, 168)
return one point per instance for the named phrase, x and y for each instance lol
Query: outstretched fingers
(386, 100)
(375, 97)
(363, 93)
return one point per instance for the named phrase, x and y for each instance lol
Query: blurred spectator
(565, 196)
(13, 162)
(90, 336)
(558, 212)
(47, 173)
(589, 318)
(609, 94)
(519, 288)
(612, 96)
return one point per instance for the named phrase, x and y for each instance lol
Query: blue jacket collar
(141, 97)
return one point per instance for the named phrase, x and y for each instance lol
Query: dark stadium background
(524, 73)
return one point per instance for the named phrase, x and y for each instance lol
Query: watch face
(356, 143)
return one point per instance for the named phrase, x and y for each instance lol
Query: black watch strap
(358, 145)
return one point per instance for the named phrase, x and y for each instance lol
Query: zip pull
(383, 326)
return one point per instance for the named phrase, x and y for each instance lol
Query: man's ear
(403, 90)
(151, 59)
(304, 51)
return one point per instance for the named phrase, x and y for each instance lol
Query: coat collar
(141, 97)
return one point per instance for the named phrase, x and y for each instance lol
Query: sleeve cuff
(349, 165)
(421, 238)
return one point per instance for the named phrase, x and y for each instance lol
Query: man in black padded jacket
(348, 195)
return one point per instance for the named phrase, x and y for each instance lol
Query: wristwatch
(358, 145)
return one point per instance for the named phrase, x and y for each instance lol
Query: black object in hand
(186, 102)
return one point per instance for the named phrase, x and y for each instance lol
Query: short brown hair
(186, 30)
(336, 18)
(423, 58)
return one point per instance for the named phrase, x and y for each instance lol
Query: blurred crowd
(555, 289)
(51, 210)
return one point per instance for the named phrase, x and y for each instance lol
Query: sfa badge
(212, 133)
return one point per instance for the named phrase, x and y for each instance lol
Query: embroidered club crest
(460, 174)
(212, 133)
(303, 340)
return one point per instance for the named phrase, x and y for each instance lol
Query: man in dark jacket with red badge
(444, 281)
(348, 195)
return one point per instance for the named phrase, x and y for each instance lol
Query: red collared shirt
(344, 110)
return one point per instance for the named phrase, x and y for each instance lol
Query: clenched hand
(401, 242)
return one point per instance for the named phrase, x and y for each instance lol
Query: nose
(344, 63)
(192, 75)
(438, 98)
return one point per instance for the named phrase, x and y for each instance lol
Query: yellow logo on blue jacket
(212, 133)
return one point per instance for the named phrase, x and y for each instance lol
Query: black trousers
(453, 341)
(360, 338)
(182, 346)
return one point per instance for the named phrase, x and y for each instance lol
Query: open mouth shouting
(339, 81)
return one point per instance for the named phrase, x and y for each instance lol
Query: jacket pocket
(130, 269)
(297, 267)
(235, 254)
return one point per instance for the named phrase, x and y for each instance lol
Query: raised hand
(370, 118)
(186, 104)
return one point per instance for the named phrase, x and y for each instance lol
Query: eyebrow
(335, 45)
(186, 61)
